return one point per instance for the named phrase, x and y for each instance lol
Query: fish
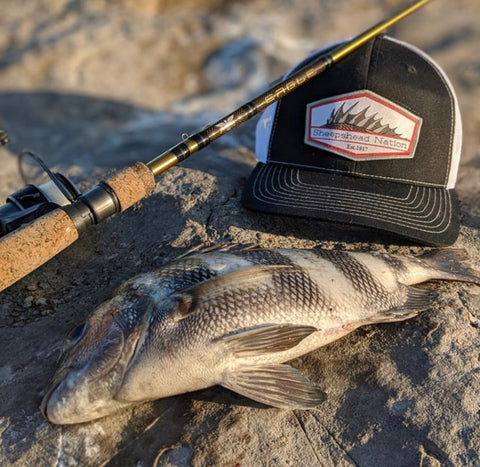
(234, 316)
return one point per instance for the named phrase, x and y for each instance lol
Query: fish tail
(449, 263)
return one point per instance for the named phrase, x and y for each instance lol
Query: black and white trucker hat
(374, 141)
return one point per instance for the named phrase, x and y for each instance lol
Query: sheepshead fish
(232, 316)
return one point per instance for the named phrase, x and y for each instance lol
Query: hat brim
(428, 215)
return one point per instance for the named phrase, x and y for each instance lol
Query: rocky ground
(93, 86)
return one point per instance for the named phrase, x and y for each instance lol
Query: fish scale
(188, 274)
(301, 291)
(234, 316)
(264, 257)
(221, 316)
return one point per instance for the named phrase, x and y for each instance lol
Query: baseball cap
(374, 141)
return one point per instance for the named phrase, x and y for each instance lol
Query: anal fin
(277, 385)
(416, 300)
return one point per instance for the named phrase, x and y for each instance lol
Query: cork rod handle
(132, 184)
(29, 247)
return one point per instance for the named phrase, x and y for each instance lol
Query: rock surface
(92, 86)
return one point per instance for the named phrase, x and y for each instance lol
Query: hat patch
(362, 126)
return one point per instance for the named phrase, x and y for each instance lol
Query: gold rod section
(162, 162)
(374, 31)
(204, 137)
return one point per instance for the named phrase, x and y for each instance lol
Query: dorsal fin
(222, 246)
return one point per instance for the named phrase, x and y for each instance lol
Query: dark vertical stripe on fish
(371, 292)
(395, 263)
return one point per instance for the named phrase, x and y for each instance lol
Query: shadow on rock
(89, 132)
(311, 229)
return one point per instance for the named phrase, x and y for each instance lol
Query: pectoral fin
(266, 339)
(276, 385)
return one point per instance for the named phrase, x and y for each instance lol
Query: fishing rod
(31, 241)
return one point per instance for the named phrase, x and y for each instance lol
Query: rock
(27, 303)
(94, 86)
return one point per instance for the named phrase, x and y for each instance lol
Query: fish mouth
(51, 405)
(70, 400)
(60, 411)
(92, 372)
(46, 400)
(87, 391)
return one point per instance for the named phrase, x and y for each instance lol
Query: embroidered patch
(362, 126)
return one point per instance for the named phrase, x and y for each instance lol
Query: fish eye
(77, 333)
